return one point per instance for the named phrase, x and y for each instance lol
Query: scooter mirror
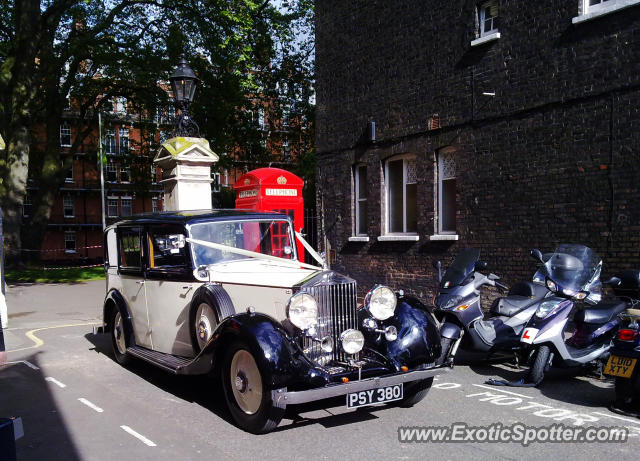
(537, 255)
(480, 265)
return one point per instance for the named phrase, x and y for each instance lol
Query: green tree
(95, 50)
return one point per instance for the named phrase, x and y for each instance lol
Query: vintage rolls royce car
(223, 292)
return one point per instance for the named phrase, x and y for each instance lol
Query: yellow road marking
(38, 342)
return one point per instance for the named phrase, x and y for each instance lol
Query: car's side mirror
(537, 255)
(480, 265)
(613, 281)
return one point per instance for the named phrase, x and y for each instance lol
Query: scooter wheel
(540, 361)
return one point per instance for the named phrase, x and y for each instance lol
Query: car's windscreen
(271, 238)
(460, 268)
(572, 266)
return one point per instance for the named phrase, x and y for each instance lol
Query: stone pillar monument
(186, 173)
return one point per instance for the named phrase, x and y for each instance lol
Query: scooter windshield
(572, 266)
(461, 267)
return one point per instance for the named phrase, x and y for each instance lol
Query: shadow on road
(207, 392)
(25, 393)
(567, 385)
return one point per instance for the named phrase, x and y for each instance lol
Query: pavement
(77, 403)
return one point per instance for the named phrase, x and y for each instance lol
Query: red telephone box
(273, 189)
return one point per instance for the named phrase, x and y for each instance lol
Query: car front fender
(418, 341)
(281, 362)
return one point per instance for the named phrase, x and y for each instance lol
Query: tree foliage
(247, 53)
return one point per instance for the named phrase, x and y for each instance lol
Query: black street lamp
(184, 83)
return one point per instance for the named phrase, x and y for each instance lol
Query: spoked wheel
(118, 339)
(249, 401)
(205, 324)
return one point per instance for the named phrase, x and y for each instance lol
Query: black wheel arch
(115, 300)
(219, 300)
(280, 359)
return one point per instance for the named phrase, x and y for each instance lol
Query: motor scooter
(625, 351)
(572, 274)
(463, 321)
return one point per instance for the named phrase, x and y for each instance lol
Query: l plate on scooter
(528, 335)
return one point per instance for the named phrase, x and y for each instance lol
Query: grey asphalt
(183, 418)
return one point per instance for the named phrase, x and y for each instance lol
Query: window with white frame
(488, 18)
(154, 205)
(126, 206)
(589, 6)
(112, 172)
(27, 205)
(125, 173)
(121, 105)
(260, 120)
(65, 134)
(215, 185)
(112, 207)
(69, 242)
(360, 199)
(68, 203)
(69, 172)
(286, 151)
(446, 191)
(123, 134)
(401, 195)
(110, 142)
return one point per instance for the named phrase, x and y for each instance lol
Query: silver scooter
(572, 274)
(463, 322)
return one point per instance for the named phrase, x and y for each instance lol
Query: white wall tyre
(118, 341)
(248, 399)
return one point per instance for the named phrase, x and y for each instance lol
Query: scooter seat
(602, 313)
(510, 305)
(521, 295)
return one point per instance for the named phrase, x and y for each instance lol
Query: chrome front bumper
(282, 397)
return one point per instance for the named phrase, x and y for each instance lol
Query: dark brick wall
(552, 157)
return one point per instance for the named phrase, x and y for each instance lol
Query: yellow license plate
(620, 366)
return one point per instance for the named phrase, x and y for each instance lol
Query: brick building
(506, 125)
(74, 231)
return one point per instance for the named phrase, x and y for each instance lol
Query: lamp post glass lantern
(184, 83)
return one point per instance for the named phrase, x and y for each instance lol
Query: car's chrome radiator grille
(336, 313)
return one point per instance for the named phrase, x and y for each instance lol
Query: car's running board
(172, 363)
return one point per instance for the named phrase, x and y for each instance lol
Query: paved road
(78, 404)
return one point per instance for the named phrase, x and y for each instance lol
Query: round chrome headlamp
(302, 311)
(381, 302)
(352, 341)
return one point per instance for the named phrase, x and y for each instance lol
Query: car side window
(167, 247)
(131, 251)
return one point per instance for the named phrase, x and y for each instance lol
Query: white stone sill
(359, 238)
(443, 237)
(487, 38)
(604, 9)
(398, 238)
